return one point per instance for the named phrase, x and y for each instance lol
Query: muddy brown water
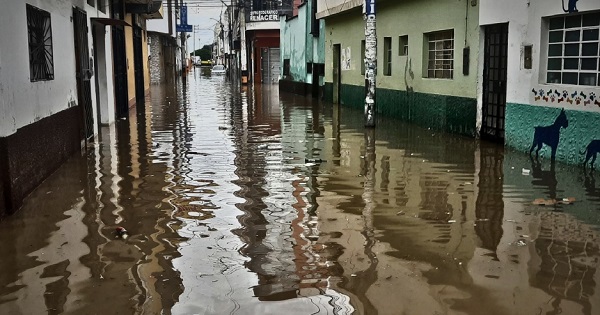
(245, 201)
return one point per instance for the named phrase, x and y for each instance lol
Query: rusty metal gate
(270, 65)
(494, 82)
(84, 72)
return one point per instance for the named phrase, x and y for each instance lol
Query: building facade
(73, 78)
(302, 50)
(164, 54)
(261, 39)
(548, 81)
(427, 60)
(55, 81)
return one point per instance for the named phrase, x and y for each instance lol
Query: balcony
(148, 9)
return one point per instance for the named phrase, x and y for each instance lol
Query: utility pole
(194, 38)
(370, 61)
(182, 21)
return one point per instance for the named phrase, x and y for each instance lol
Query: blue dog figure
(549, 135)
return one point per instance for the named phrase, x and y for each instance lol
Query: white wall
(23, 102)
(525, 27)
(162, 25)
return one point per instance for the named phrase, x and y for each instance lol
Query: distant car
(218, 69)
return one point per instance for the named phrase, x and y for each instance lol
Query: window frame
(442, 64)
(403, 45)
(387, 56)
(40, 44)
(560, 66)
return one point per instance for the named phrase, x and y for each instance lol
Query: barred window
(39, 30)
(440, 63)
(573, 50)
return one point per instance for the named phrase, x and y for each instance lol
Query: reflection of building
(568, 260)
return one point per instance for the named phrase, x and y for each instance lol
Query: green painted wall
(301, 47)
(413, 18)
(521, 120)
(440, 112)
(442, 104)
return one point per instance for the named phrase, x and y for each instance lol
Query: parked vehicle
(218, 69)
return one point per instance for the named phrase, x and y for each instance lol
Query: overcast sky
(203, 17)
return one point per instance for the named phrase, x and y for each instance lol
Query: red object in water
(121, 231)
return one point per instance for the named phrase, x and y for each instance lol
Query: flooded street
(242, 201)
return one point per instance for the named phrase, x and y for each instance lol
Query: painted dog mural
(591, 151)
(549, 135)
(572, 8)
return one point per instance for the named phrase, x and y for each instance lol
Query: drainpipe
(370, 61)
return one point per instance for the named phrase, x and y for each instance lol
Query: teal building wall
(573, 140)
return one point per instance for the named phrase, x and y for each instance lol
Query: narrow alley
(246, 200)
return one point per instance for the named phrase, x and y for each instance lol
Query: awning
(107, 21)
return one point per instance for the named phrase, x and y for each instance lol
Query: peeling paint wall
(301, 47)
(294, 45)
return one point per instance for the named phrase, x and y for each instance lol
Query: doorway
(494, 82)
(84, 71)
(138, 61)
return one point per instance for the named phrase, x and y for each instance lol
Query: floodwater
(243, 201)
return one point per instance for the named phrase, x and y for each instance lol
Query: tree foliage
(205, 53)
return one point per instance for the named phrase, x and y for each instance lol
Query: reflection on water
(239, 200)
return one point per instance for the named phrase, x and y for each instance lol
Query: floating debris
(520, 243)
(525, 172)
(451, 221)
(552, 202)
(121, 232)
(400, 213)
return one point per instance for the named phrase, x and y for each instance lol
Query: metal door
(84, 72)
(494, 82)
(270, 65)
(119, 62)
(138, 65)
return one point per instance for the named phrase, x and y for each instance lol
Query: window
(102, 6)
(387, 56)
(403, 45)
(39, 33)
(362, 56)
(440, 64)
(573, 52)
(91, 2)
(286, 67)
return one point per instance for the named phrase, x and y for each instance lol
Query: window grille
(573, 50)
(39, 32)
(440, 64)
